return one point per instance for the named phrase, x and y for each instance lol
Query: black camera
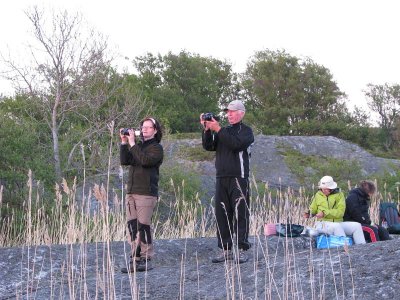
(209, 116)
(125, 131)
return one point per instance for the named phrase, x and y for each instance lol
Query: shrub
(196, 153)
(310, 168)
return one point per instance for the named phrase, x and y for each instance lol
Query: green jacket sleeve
(314, 206)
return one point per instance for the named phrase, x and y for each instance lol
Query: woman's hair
(367, 186)
(157, 126)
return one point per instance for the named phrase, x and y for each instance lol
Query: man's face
(234, 116)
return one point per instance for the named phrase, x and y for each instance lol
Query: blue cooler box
(331, 241)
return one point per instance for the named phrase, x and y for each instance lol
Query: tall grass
(71, 222)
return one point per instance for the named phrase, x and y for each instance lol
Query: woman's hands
(319, 215)
(127, 139)
(124, 138)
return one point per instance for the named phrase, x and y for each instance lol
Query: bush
(196, 153)
(389, 185)
(310, 168)
(176, 180)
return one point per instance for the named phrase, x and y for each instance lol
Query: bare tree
(70, 74)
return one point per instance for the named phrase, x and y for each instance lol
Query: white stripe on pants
(342, 229)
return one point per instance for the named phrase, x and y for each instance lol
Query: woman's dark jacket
(357, 205)
(232, 145)
(144, 160)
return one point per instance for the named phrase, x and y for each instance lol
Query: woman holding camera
(328, 206)
(144, 159)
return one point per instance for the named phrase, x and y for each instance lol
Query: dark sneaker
(144, 265)
(242, 257)
(224, 256)
(131, 267)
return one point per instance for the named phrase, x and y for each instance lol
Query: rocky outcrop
(268, 164)
(278, 268)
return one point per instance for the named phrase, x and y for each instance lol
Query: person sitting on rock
(329, 205)
(357, 206)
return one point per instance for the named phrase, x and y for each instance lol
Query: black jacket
(357, 205)
(144, 160)
(232, 145)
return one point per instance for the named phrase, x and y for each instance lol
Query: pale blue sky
(356, 40)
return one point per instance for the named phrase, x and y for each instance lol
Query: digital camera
(125, 131)
(209, 116)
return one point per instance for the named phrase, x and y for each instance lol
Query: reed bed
(69, 221)
(75, 223)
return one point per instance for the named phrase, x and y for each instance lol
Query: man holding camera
(232, 145)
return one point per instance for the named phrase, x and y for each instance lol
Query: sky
(357, 40)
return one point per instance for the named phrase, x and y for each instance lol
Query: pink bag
(270, 229)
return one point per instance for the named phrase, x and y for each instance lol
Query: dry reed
(72, 222)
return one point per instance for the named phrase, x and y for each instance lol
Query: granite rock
(279, 268)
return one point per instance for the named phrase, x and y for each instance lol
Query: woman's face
(326, 192)
(148, 130)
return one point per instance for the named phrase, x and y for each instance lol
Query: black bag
(289, 230)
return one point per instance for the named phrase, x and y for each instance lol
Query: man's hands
(210, 125)
(128, 139)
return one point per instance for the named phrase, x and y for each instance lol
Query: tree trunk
(56, 148)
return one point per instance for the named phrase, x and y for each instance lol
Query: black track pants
(232, 205)
(381, 233)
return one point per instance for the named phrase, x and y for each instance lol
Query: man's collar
(236, 124)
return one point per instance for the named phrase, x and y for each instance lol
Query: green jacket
(333, 206)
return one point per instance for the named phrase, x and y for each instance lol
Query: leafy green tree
(360, 130)
(287, 95)
(24, 146)
(385, 101)
(183, 86)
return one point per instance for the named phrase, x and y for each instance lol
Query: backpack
(289, 230)
(389, 217)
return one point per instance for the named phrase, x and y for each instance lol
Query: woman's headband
(152, 121)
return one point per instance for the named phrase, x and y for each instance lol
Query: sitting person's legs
(331, 228)
(383, 234)
(354, 229)
(370, 233)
